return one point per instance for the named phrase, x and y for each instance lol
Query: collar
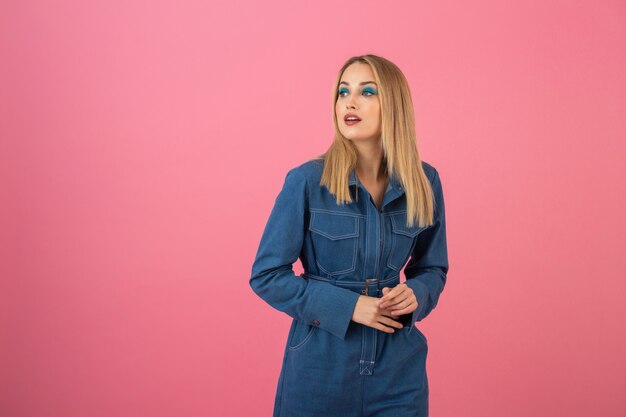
(394, 182)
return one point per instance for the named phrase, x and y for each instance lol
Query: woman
(355, 216)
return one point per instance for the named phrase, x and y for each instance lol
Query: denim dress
(333, 366)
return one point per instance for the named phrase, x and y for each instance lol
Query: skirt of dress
(368, 374)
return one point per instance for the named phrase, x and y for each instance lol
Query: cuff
(421, 293)
(331, 308)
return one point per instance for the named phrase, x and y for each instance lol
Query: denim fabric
(333, 366)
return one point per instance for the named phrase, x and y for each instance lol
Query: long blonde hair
(398, 140)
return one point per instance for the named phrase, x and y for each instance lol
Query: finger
(397, 302)
(382, 327)
(401, 305)
(411, 308)
(391, 322)
(390, 297)
(388, 313)
(402, 297)
(391, 293)
(386, 297)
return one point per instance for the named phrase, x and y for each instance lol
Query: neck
(369, 166)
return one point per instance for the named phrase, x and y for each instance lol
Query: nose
(350, 104)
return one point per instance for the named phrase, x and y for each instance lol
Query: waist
(372, 287)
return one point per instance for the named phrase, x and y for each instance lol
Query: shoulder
(309, 171)
(430, 171)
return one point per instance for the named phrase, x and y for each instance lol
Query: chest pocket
(335, 237)
(403, 240)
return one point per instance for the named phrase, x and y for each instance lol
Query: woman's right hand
(368, 312)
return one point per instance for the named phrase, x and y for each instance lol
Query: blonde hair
(398, 141)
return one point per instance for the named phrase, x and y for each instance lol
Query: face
(358, 96)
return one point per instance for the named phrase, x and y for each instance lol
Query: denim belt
(372, 287)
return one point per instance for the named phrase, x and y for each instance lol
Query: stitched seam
(354, 235)
(374, 345)
(397, 228)
(316, 229)
(393, 248)
(341, 283)
(362, 348)
(308, 336)
(341, 213)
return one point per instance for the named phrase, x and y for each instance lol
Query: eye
(369, 91)
(341, 91)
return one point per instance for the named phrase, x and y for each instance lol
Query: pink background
(143, 144)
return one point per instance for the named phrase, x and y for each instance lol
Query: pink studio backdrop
(142, 145)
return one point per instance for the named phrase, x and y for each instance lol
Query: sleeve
(311, 301)
(427, 268)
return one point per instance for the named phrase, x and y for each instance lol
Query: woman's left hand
(400, 299)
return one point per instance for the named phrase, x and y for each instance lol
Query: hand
(400, 300)
(368, 312)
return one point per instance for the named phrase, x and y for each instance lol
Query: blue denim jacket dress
(333, 366)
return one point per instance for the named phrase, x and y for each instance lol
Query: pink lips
(351, 121)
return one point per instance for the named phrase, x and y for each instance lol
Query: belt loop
(371, 282)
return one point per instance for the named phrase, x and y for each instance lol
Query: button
(315, 322)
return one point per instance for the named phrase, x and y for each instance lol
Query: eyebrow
(363, 83)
